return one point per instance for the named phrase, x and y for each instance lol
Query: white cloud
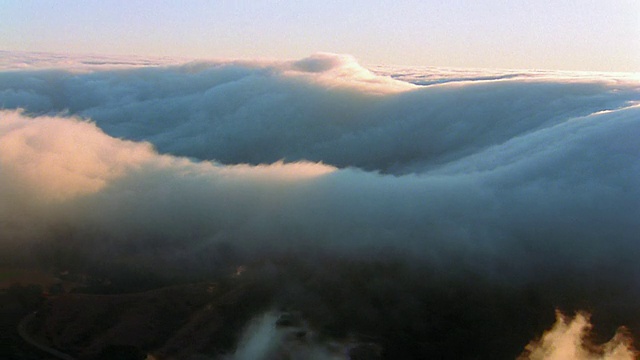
(522, 183)
(568, 339)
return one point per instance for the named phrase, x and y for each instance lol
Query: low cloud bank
(568, 340)
(24, 60)
(483, 196)
(324, 108)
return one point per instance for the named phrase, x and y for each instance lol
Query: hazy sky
(541, 34)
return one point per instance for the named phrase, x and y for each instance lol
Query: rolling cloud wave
(522, 182)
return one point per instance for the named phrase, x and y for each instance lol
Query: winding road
(24, 334)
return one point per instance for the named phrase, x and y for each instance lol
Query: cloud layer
(522, 182)
(317, 109)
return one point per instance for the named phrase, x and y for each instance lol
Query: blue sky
(570, 35)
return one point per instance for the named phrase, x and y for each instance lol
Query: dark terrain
(401, 311)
